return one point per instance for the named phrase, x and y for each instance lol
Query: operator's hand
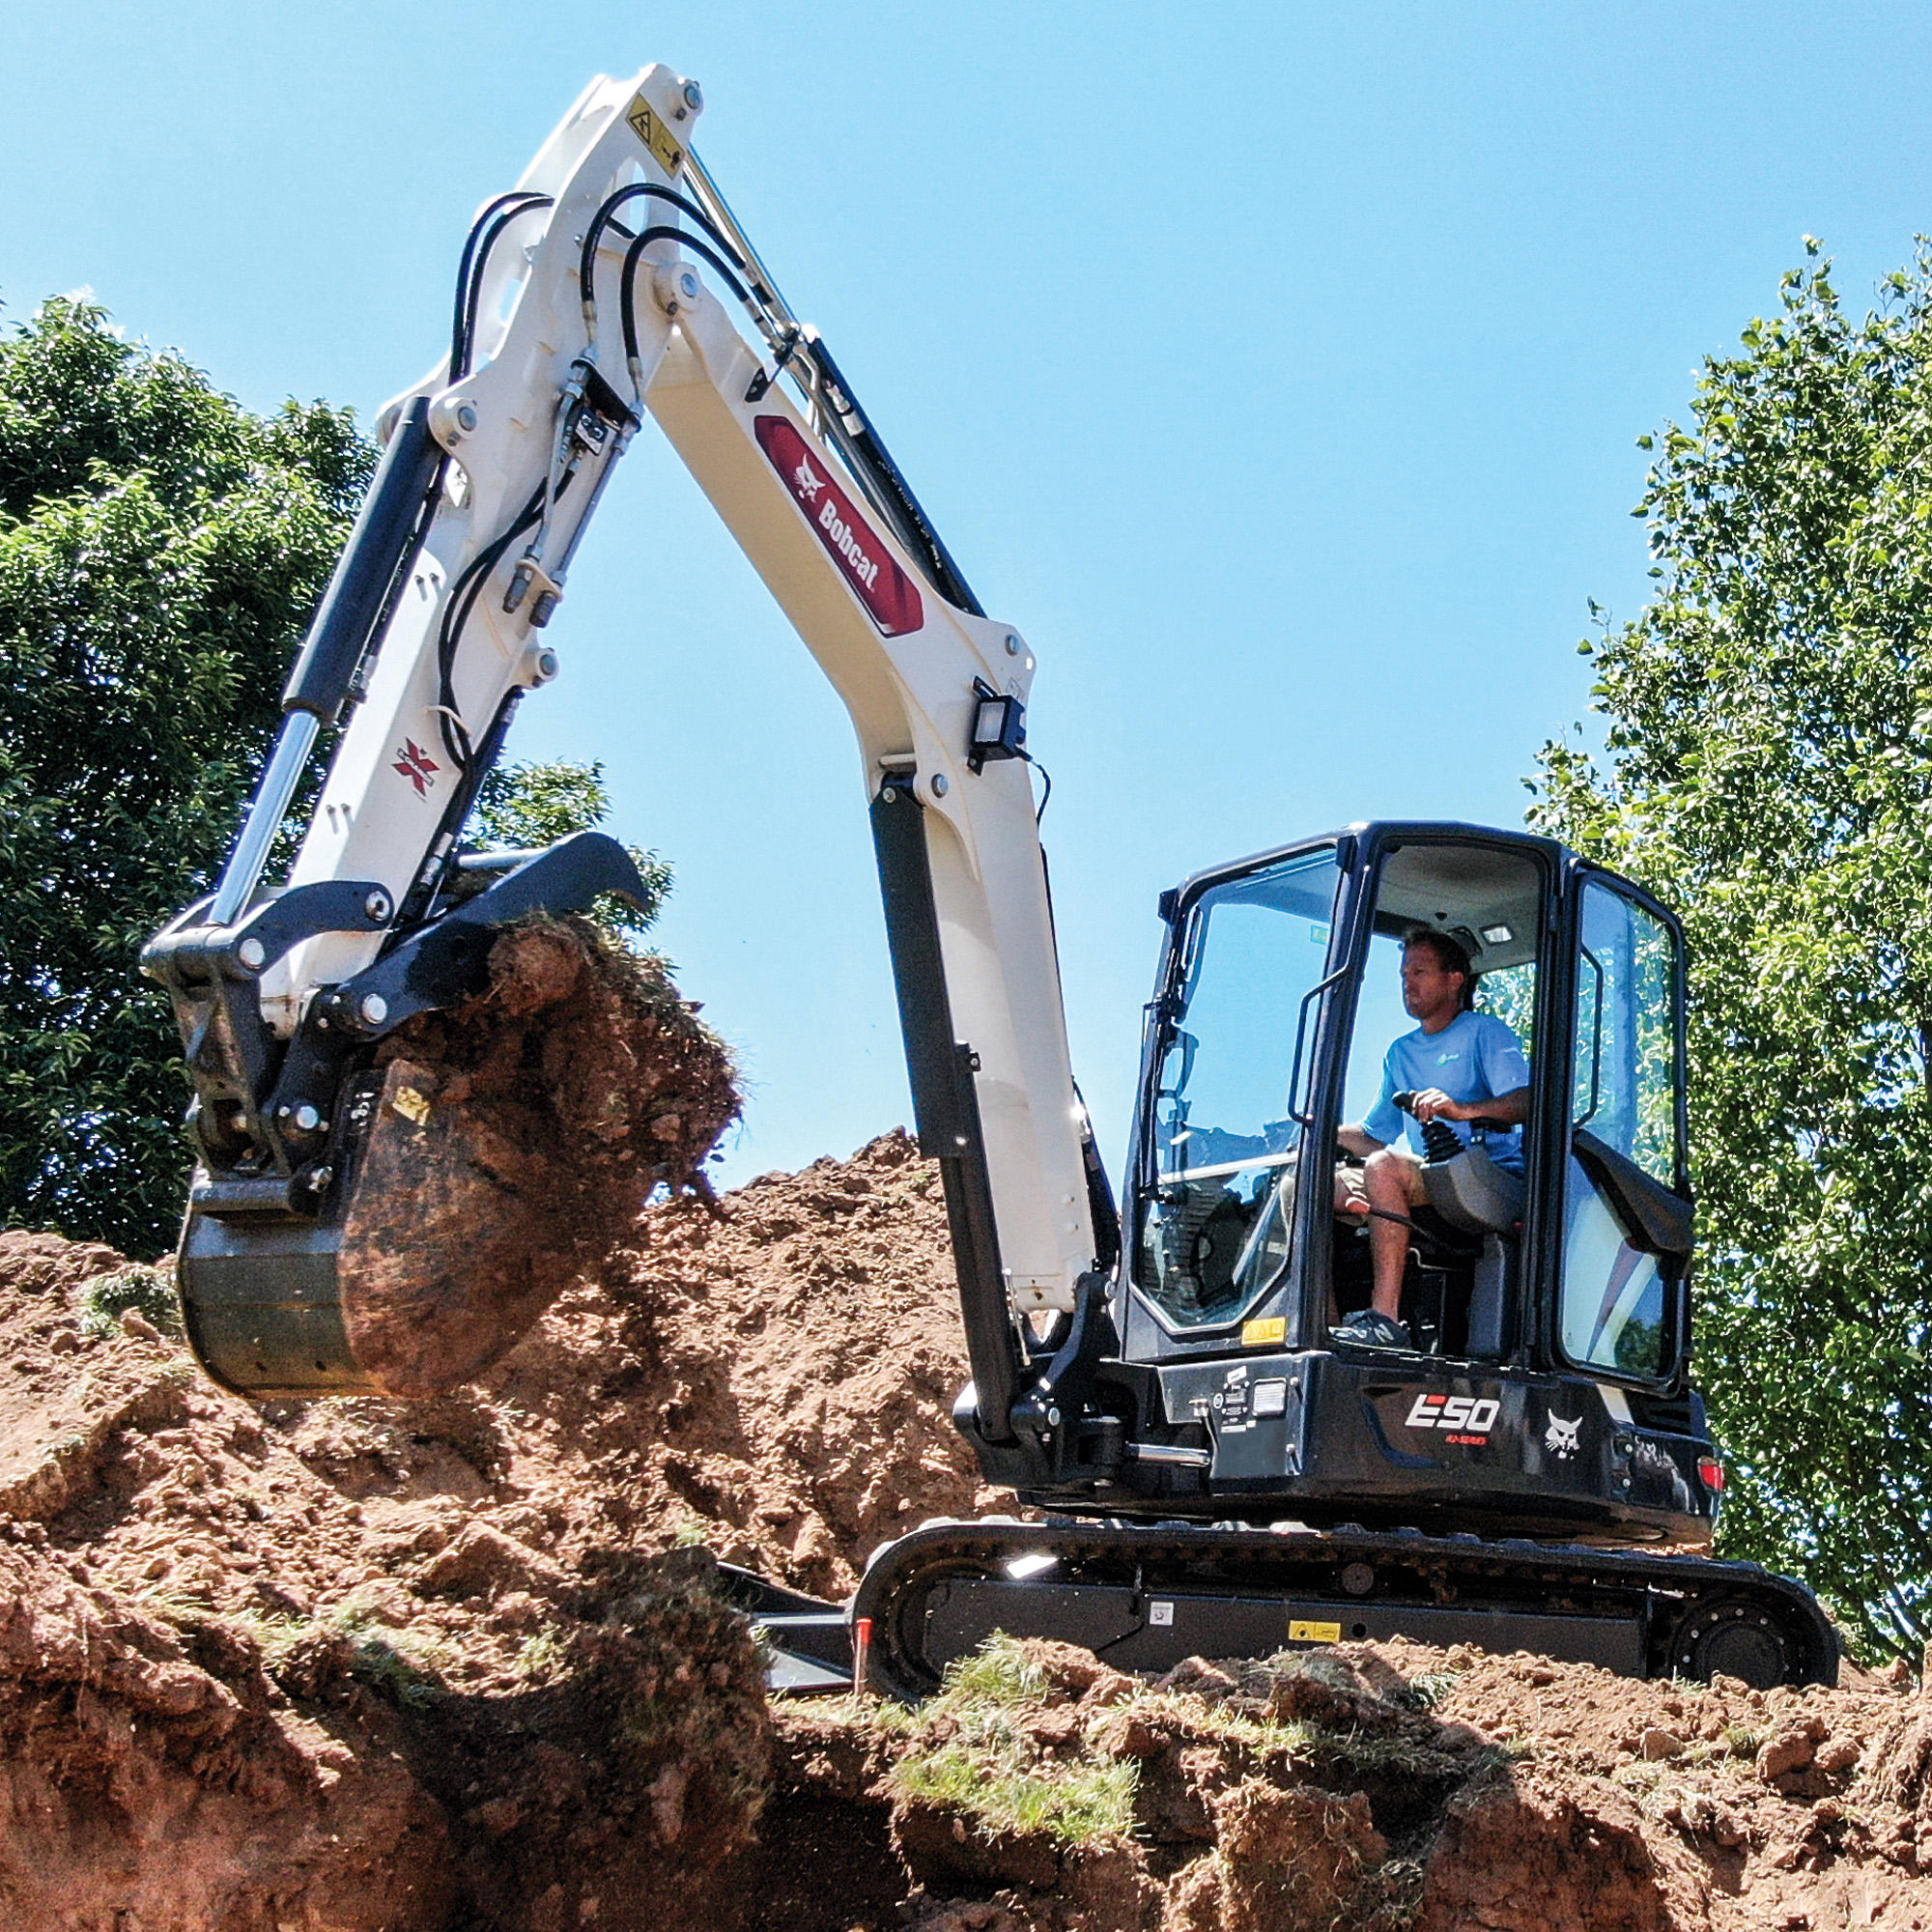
(1432, 1104)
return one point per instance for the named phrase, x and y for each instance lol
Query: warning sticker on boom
(1302, 1631)
(655, 135)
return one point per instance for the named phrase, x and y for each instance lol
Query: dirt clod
(512, 1146)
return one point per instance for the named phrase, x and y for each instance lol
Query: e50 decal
(1462, 1418)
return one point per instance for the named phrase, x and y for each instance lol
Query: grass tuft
(1000, 1673)
(108, 1296)
(1074, 1805)
(971, 1754)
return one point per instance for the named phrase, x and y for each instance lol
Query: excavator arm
(611, 285)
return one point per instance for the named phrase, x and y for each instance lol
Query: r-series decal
(1462, 1419)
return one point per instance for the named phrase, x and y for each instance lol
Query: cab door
(1622, 1306)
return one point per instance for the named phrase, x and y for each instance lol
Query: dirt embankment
(379, 1663)
(449, 1663)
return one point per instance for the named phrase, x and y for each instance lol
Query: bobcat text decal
(886, 592)
(1462, 1418)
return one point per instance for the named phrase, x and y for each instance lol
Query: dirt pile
(439, 1663)
(511, 1145)
(1386, 1787)
(453, 1663)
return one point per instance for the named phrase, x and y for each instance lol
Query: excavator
(1215, 1460)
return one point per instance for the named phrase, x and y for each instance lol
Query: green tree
(160, 550)
(1767, 771)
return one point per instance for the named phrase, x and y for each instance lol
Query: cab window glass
(1624, 1092)
(1613, 1294)
(1223, 1147)
(1625, 1072)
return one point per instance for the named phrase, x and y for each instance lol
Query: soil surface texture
(512, 1144)
(456, 1663)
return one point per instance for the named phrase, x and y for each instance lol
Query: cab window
(1625, 1082)
(1223, 1145)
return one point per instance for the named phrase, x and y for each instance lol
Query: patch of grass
(404, 1666)
(1429, 1688)
(274, 1634)
(970, 1753)
(174, 1607)
(1741, 1740)
(999, 1673)
(385, 1670)
(108, 1296)
(540, 1658)
(1081, 1801)
(1313, 1664)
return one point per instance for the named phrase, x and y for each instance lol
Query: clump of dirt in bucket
(513, 1144)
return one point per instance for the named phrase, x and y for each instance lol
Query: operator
(1460, 1065)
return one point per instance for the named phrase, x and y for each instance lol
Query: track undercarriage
(1145, 1596)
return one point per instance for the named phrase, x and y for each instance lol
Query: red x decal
(416, 764)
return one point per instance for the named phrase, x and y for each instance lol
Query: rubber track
(1513, 1574)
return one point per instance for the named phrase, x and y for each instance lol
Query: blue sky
(1277, 369)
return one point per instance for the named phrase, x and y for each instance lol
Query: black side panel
(945, 1107)
(1652, 1216)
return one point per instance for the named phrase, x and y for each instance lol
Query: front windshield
(1223, 1144)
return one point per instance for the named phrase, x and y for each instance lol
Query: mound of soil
(512, 1145)
(460, 1643)
(1381, 1786)
(455, 1663)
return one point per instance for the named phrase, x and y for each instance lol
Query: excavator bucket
(484, 1157)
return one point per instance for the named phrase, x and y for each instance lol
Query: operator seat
(1472, 1193)
(1475, 1196)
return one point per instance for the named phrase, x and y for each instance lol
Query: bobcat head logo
(1560, 1437)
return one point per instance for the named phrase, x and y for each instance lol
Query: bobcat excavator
(1215, 1470)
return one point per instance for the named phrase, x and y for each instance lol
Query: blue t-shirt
(1475, 1057)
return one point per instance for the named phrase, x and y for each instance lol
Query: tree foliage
(1767, 771)
(160, 550)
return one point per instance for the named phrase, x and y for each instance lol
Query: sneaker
(1370, 1330)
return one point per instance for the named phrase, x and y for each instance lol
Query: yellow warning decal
(1306, 1633)
(1274, 1329)
(655, 135)
(410, 1105)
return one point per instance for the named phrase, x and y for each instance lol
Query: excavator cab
(1546, 1289)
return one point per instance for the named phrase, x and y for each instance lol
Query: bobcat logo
(1560, 1437)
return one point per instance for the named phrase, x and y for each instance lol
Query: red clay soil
(512, 1146)
(442, 1665)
